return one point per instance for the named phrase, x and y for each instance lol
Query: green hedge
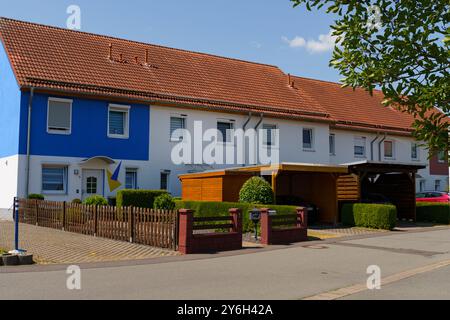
(376, 216)
(211, 209)
(433, 212)
(138, 198)
(35, 196)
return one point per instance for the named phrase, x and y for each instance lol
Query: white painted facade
(13, 175)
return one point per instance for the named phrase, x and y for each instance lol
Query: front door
(92, 183)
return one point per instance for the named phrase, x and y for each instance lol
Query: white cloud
(326, 42)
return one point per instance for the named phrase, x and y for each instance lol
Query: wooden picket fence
(158, 228)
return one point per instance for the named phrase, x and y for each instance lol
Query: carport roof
(384, 167)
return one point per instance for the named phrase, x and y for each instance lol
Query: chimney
(121, 57)
(110, 51)
(136, 59)
(146, 56)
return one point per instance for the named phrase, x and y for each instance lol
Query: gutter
(379, 146)
(371, 146)
(30, 107)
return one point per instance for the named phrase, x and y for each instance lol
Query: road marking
(347, 291)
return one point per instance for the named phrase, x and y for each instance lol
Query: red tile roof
(78, 62)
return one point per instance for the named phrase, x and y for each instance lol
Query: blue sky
(267, 31)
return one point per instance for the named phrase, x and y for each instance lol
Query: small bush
(214, 209)
(433, 212)
(256, 190)
(77, 201)
(164, 202)
(376, 216)
(35, 196)
(96, 201)
(138, 198)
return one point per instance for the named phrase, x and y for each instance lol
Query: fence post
(185, 232)
(236, 214)
(64, 217)
(176, 238)
(95, 220)
(37, 212)
(303, 217)
(131, 223)
(266, 227)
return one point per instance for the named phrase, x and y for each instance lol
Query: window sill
(113, 136)
(309, 150)
(360, 157)
(54, 193)
(61, 133)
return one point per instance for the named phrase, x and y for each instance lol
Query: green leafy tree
(402, 47)
(256, 191)
(164, 202)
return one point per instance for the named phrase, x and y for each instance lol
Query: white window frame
(180, 116)
(233, 128)
(417, 158)
(273, 136)
(438, 157)
(167, 173)
(65, 178)
(364, 155)
(393, 150)
(332, 152)
(312, 139)
(422, 185)
(436, 183)
(60, 132)
(135, 171)
(120, 108)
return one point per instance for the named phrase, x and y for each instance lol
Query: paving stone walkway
(51, 246)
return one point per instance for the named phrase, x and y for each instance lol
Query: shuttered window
(360, 146)
(308, 139)
(177, 123)
(131, 179)
(224, 129)
(118, 121)
(59, 116)
(54, 179)
(269, 134)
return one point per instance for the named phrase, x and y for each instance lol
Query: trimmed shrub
(77, 201)
(35, 196)
(213, 209)
(164, 202)
(96, 201)
(138, 198)
(256, 190)
(375, 216)
(433, 212)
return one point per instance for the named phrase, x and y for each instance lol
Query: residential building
(84, 114)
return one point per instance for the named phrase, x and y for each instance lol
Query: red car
(433, 196)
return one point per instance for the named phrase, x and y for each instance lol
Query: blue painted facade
(9, 108)
(89, 135)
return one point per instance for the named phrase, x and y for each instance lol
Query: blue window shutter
(117, 122)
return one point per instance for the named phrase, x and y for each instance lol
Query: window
(422, 186)
(414, 151)
(54, 179)
(131, 179)
(308, 139)
(225, 130)
(332, 144)
(389, 149)
(118, 121)
(165, 180)
(269, 134)
(360, 146)
(442, 157)
(177, 123)
(437, 185)
(91, 185)
(59, 116)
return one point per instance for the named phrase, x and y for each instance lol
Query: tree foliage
(256, 191)
(405, 53)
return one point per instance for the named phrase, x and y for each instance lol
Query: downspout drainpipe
(260, 121)
(379, 146)
(256, 129)
(30, 107)
(371, 146)
(244, 128)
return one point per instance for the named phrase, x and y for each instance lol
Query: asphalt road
(288, 273)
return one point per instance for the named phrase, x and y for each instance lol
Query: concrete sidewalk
(52, 246)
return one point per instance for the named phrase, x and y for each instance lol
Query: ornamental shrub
(257, 191)
(375, 216)
(96, 201)
(164, 202)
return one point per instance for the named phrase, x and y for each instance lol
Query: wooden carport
(395, 181)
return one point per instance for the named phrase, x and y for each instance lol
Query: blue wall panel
(9, 108)
(89, 136)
